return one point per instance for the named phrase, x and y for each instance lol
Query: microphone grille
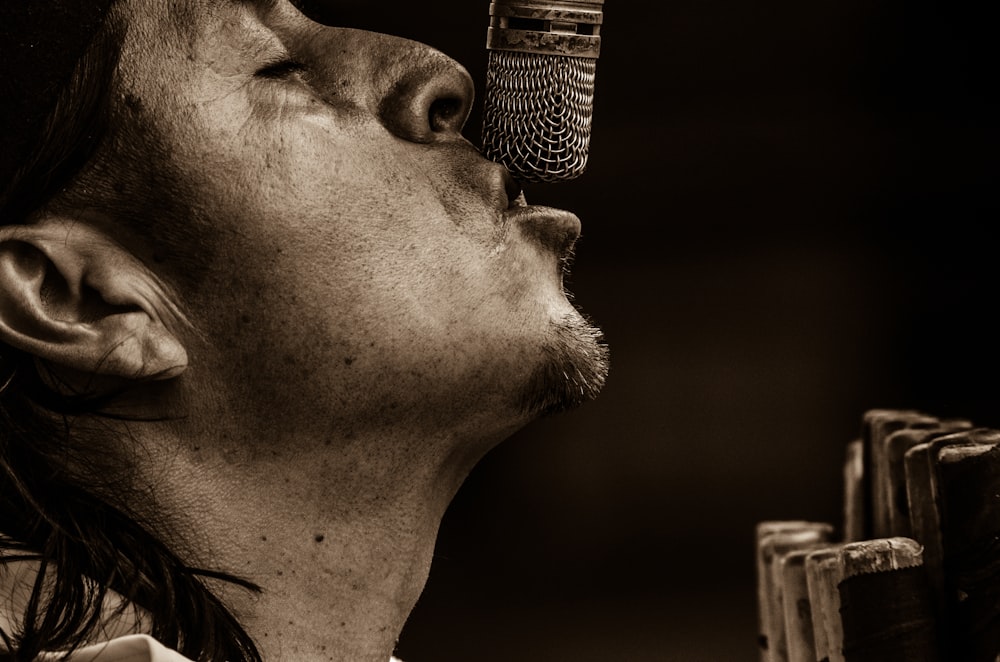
(537, 114)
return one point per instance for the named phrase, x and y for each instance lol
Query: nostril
(429, 99)
(445, 114)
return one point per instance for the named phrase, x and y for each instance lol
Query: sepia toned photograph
(499, 331)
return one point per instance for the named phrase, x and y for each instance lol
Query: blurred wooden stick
(920, 465)
(855, 498)
(823, 575)
(896, 504)
(774, 540)
(885, 606)
(968, 481)
(798, 618)
(877, 425)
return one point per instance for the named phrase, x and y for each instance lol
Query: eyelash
(281, 69)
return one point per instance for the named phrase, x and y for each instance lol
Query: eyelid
(280, 68)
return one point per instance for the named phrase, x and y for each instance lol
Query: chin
(573, 368)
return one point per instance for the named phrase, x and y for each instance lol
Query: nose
(430, 100)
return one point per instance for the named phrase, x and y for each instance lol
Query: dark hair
(65, 495)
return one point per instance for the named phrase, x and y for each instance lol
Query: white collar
(130, 648)
(16, 578)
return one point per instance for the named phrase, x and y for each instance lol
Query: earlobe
(74, 298)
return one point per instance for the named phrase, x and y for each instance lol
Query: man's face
(351, 260)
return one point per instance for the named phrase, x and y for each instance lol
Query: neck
(338, 532)
(332, 589)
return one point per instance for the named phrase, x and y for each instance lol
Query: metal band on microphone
(540, 86)
(553, 28)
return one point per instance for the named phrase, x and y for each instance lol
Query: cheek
(313, 349)
(371, 331)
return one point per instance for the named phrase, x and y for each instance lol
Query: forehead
(188, 13)
(167, 44)
(189, 25)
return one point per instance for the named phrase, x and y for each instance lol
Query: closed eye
(280, 69)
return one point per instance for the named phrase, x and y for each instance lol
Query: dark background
(787, 221)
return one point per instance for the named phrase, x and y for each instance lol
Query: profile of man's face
(350, 261)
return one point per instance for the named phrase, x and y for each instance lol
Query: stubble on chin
(573, 369)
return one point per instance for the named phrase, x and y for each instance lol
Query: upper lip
(512, 188)
(555, 229)
(499, 185)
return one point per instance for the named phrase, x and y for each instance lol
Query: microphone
(540, 86)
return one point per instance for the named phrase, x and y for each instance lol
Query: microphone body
(540, 86)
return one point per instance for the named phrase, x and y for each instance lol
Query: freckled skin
(366, 320)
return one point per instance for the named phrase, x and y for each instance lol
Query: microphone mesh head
(537, 114)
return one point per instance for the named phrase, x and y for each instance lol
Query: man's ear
(71, 296)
